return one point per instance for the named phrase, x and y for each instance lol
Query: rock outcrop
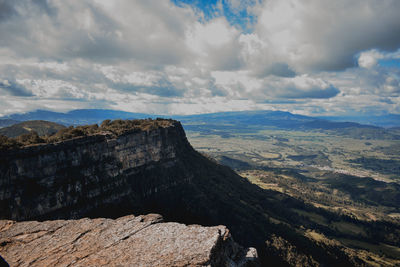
(126, 241)
(71, 179)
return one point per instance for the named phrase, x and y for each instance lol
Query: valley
(351, 177)
(306, 151)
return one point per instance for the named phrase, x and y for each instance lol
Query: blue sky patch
(391, 63)
(215, 8)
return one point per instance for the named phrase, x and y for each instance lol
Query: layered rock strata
(137, 172)
(72, 179)
(126, 241)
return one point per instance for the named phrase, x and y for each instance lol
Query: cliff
(73, 178)
(152, 168)
(132, 172)
(126, 241)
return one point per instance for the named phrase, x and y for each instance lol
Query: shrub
(122, 126)
(7, 143)
(116, 127)
(105, 123)
(29, 139)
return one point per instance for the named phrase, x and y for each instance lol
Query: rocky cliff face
(137, 172)
(127, 241)
(74, 178)
(152, 171)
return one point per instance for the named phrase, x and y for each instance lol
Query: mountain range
(264, 117)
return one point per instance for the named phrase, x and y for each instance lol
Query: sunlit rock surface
(127, 241)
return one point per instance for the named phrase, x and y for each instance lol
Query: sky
(314, 57)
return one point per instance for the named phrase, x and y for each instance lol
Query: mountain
(40, 127)
(7, 122)
(151, 168)
(222, 123)
(77, 117)
(247, 122)
(280, 119)
(387, 121)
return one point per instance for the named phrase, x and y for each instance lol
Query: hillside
(7, 122)
(155, 169)
(39, 126)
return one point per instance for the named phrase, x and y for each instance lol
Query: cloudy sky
(310, 57)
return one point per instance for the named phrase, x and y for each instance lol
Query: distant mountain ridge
(7, 122)
(387, 121)
(279, 119)
(76, 117)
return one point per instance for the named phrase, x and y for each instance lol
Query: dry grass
(116, 127)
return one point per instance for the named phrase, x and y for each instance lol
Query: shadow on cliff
(94, 177)
(213, 194)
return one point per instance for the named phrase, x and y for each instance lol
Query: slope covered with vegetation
(40, 127)
(43, 132)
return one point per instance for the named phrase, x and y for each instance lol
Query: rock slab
(127, 241)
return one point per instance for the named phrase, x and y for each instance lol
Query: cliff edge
(83, 175)
(126, 241)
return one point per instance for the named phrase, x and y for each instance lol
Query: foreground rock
(127, 241)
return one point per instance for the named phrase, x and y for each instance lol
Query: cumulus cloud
(326, 35)
(147, 31)
(391, 86)
(299, 56)
(215, 45)
(243, 85)
(13, 88)
(370, 58)
(302, 87)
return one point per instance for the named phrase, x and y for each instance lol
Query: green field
(357, 179)
(307, 151)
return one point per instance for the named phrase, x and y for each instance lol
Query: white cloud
(148, 31)
(165, 58)
(325, 35)
(214, 44)
(53, 89)
(391, 86)
(242, 85)
(369, 59)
